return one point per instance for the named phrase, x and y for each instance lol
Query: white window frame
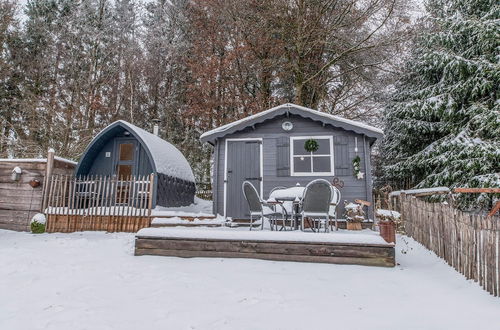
(332, 164)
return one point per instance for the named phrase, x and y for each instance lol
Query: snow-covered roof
(166, 158)
(291, 108)
(37, 160)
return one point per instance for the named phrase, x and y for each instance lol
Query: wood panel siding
(19, 202)
(273, 136)
(283, 155)
(337, 253)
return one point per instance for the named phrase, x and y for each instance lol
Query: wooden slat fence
(467, 242)
(99, 203)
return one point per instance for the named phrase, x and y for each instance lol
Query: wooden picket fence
(467, 242)
(99, 203)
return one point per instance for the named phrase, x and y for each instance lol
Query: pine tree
(443, 124)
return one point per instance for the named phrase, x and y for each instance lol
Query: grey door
(243, 164)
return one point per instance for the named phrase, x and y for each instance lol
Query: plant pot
(351, 225)
(388, 231)
(34, 183)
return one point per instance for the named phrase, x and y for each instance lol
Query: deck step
(365, 249)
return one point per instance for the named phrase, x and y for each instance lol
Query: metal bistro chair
(258, 208)
(285, 208)
(333, 207)
(316, 203)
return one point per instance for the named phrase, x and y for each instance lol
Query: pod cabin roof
(371, 132)
(164, 157)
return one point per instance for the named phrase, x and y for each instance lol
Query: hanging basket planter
(311, 145)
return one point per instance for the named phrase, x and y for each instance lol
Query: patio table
(292, 194)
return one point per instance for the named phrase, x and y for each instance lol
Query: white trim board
(261, 150)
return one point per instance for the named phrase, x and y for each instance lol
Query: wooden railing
(99, 203)
(467, 242)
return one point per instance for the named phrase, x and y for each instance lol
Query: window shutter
(283, 156)
(341, 155)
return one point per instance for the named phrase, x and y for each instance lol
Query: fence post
(48, 173)
(150, 201)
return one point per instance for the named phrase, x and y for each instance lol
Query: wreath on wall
(311, 145)
(356, 165)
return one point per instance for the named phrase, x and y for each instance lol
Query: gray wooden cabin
(267, 149)
(123, 150)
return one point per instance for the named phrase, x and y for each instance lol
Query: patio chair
(333, 207)
(259, 208)
(316, 203)
(284, 207)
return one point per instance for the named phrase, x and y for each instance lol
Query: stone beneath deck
(364, 247)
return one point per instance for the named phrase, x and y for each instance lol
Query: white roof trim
(315, 112)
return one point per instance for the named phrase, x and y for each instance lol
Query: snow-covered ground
(92, 281)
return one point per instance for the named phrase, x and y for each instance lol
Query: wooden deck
(367, 254)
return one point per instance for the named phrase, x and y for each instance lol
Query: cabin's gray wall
(101, 164)
(271, 131)
(217, 166)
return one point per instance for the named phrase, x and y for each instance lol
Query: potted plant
(38, 224)
(387, 221)
(354, 215)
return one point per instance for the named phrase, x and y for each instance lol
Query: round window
(287, 126)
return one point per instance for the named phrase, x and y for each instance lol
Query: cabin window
(124, 171)
(126, 151)
(306, 163)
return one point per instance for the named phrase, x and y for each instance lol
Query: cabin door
(125, 158)
(244, 159)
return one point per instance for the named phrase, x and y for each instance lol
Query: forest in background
(69, 68)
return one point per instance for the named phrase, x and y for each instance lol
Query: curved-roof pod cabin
(268, 150)
(123, 150)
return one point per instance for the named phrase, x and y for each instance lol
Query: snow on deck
(92, 280)
(366, 236)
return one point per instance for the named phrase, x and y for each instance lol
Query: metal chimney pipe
(156, 127)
